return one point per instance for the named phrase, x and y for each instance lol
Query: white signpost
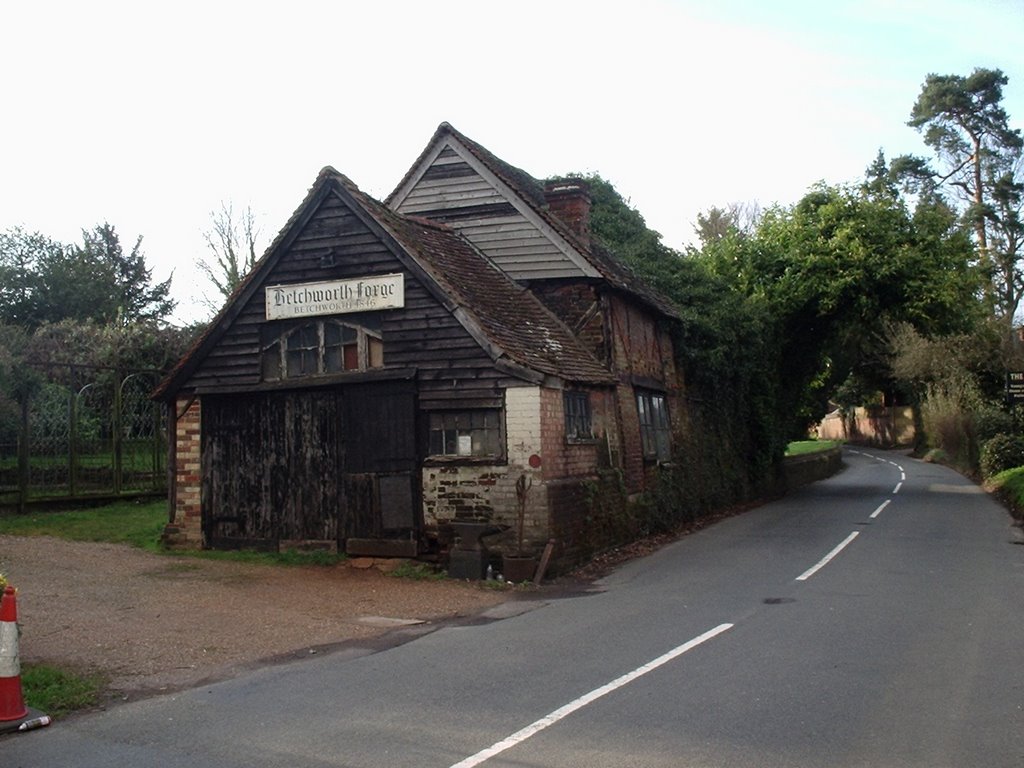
(362, 294)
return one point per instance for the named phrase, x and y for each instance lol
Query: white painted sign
(362, 294)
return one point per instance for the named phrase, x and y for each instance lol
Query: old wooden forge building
(389, 368)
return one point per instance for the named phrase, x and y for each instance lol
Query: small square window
(302, 350)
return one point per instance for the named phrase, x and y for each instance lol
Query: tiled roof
(513, 319)
(515, 324)
(531, 190)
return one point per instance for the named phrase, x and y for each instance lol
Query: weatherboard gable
(450, 184)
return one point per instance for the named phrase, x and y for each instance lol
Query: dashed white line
(536, 727)
(562, 712)
(827, 558)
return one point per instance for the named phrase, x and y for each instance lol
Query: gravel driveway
(154, 623)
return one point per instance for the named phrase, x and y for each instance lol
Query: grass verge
(1009, 486)
(140, 525)
(57, 691)
(801, 447)
(417, 572)
(123, 522)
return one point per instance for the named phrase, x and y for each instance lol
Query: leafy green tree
(73, 282)
(133, 295)
(725, 348)
(1007, 238)
(21, 286)
(978, 155)
(43, 281)
(622, 228)
(831, 270)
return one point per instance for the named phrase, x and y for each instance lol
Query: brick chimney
(569, 200)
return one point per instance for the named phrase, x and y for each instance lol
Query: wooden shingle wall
(335, 244)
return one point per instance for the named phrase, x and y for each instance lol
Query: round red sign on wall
(535, 461)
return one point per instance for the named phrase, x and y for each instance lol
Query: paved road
(874, 619)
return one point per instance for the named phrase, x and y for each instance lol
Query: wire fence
(85, 432)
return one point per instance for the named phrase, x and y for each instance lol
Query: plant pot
(516, 568)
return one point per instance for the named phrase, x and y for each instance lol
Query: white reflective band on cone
(9, 664)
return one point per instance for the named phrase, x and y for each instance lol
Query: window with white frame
(319, 347)
(655, 427)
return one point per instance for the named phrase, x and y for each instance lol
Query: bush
(946, 414)
(1002, 452)
(1009, 486)
(990, 421)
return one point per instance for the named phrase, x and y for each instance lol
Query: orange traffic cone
(12, 703)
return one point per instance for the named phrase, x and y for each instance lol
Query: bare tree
(736, 218)
(232, 243)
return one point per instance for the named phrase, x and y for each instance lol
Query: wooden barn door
(380, 475)
(234, 467)
(289, 468)
(271, 469)
(303, 461)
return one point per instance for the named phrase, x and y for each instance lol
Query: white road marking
(897, 488)
(562, 712)
(828, 558)
(536, 727)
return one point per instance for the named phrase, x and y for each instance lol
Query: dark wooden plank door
(234, 473)
(310, 465)
(381, 465)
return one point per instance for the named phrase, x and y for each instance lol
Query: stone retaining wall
(805, 469)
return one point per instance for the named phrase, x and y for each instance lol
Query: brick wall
(487, 492)
(570, 521)
(562, 459)
(186, 528)
(877, 425)
(569, 200)
(552, 433)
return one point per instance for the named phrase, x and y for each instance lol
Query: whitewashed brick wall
(488, 492)
(522, 425)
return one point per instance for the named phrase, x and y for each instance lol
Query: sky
(151, 116)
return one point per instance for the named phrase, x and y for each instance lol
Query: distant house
(388, 369)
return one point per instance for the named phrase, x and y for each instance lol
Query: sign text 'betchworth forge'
(363, 294)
